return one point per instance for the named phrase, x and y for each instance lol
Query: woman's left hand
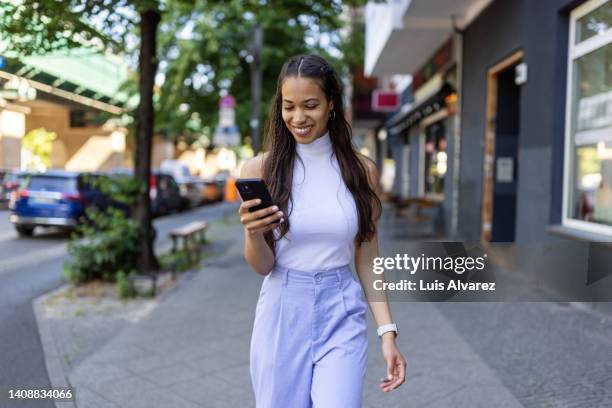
(396, 364)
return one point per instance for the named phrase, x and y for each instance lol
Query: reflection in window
(591, 188)
(595, 23)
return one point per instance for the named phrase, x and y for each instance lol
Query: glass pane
(591, 184)
(595, 23)
(435, 158)
(49, 183)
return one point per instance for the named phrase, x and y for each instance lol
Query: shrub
(108, 241)
(179, 261)
(124, 289)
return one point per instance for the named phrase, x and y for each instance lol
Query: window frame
(576, 51)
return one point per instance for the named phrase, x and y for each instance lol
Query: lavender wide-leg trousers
(309, 343)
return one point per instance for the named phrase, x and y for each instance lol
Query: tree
(204, 51)
(204, 46)
(39, 144)
(42, 26)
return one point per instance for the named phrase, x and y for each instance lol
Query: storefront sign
(504, 170)
(385, 101)
(438, 61)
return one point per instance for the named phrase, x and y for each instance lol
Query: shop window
(588, 188)
(83, 118)
(435, 159)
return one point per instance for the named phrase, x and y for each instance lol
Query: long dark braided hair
(281, 145)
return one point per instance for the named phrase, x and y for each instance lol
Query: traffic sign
(227, 101)
(226, 136)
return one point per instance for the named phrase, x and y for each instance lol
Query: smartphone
(252, 188)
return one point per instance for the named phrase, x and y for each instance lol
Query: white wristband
(387, 328)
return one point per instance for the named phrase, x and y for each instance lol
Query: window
(435, 159)
(588, 172)
(82, 118)
(52, 183)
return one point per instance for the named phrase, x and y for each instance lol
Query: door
(501, 152)
(506, 149)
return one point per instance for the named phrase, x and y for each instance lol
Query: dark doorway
(507, 125)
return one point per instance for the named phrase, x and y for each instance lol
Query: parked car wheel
(24, 231)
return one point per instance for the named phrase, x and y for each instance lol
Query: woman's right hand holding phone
(259, 221)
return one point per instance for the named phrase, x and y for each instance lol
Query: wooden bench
(421, 203)
(433, 208)
(191, 236)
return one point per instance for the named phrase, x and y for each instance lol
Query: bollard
(231, 193)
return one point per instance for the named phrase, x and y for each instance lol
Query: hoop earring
(333, 115)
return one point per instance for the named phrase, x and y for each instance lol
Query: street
(31, 267)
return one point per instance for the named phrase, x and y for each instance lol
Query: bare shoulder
(253, 167)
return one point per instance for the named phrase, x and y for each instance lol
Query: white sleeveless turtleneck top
(323, 218)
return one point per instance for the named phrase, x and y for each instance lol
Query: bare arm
(257, 253)
(378, 301)
(379, 305)
(364, 260)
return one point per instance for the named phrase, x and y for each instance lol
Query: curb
(56, 369)
(53, 360)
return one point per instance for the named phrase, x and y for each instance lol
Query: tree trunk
(256, 74)
(149, 20)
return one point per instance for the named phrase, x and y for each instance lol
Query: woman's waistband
(337, 274)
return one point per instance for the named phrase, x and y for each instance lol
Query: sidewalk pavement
(193, 350)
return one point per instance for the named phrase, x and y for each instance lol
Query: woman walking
(309, 343)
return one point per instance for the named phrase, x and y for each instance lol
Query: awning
(402, 34)
(81, 73)
(426, 108)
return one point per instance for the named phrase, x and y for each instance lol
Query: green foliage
(179, 261)
(213, 56)
(204, 47)
(122, 189)
(42, 26)
(124, 289)
(106, 246)
(39, 143)
(108, 242)
(353, 49)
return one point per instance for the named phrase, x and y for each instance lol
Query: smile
(302, 131)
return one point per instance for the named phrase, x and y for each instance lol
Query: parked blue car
(53, 199)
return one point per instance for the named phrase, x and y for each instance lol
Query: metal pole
(256, 87)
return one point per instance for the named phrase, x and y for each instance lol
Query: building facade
(74, 95)
(531, 136)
